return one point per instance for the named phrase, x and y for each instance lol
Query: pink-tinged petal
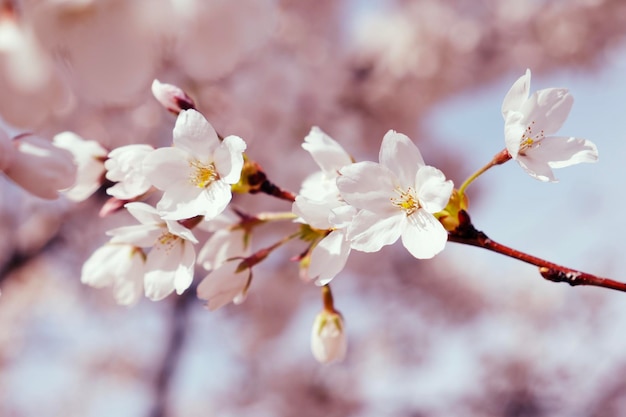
(537, 167)
(329, 257)
(546, 110)
(400, 155)
(424, 237)
(183, 202)
(144, 213)
(562, 152)
(228, 159)
(184, 272)
(223, 285)
(326, 152)
(368, 185)
(432, 189)
(369, 231)
(195, 135)
(165, 167)
(517, 95)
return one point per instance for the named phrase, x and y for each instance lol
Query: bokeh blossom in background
(200, 297)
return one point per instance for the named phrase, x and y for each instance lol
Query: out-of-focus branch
(177, 335)
(467, 234)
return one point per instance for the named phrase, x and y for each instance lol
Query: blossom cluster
(345, 206)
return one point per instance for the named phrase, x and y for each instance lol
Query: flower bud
(171, 97)
(40, 167)
(328, 339)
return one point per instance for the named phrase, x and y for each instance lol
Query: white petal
(128, 289)
(433, 191)
(400, 155)
(547, 109)
(313, 212)
(183, 202)
(184, 273)
(537, 167)
(514, 131)
(326, 152)
(223, 245)
(144, 213)
(162, 265)
(140, 235)
(179, 230)
(424, 237)
(223, 285)
(329, 257)
(369, 232)
(229, 159)
(167, 167)
(562, 152)
(368, 185)
(517, 95)
(158, 283)
(195, 135)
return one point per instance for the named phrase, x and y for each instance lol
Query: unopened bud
(173, 98)
(328, 339)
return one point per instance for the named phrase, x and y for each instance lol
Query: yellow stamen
(203, 174)
(529, 139)
(406, 201)
(166, 241)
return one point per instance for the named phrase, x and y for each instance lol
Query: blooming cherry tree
(397, 197)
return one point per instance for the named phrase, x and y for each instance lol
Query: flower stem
(468, 235)
(500, 158)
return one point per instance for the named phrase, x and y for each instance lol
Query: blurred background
(469, 333)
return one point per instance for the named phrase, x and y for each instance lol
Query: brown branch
(468, 235)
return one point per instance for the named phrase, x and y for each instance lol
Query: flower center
(202, 174)
(530, 139)
(406, 200)
(166, 241)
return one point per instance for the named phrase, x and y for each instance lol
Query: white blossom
(397, 198)
(197, 172)
(120, 266)
(125, 167)
(528, 123)
(170, 262)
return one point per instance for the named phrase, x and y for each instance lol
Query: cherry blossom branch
(467, 234)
